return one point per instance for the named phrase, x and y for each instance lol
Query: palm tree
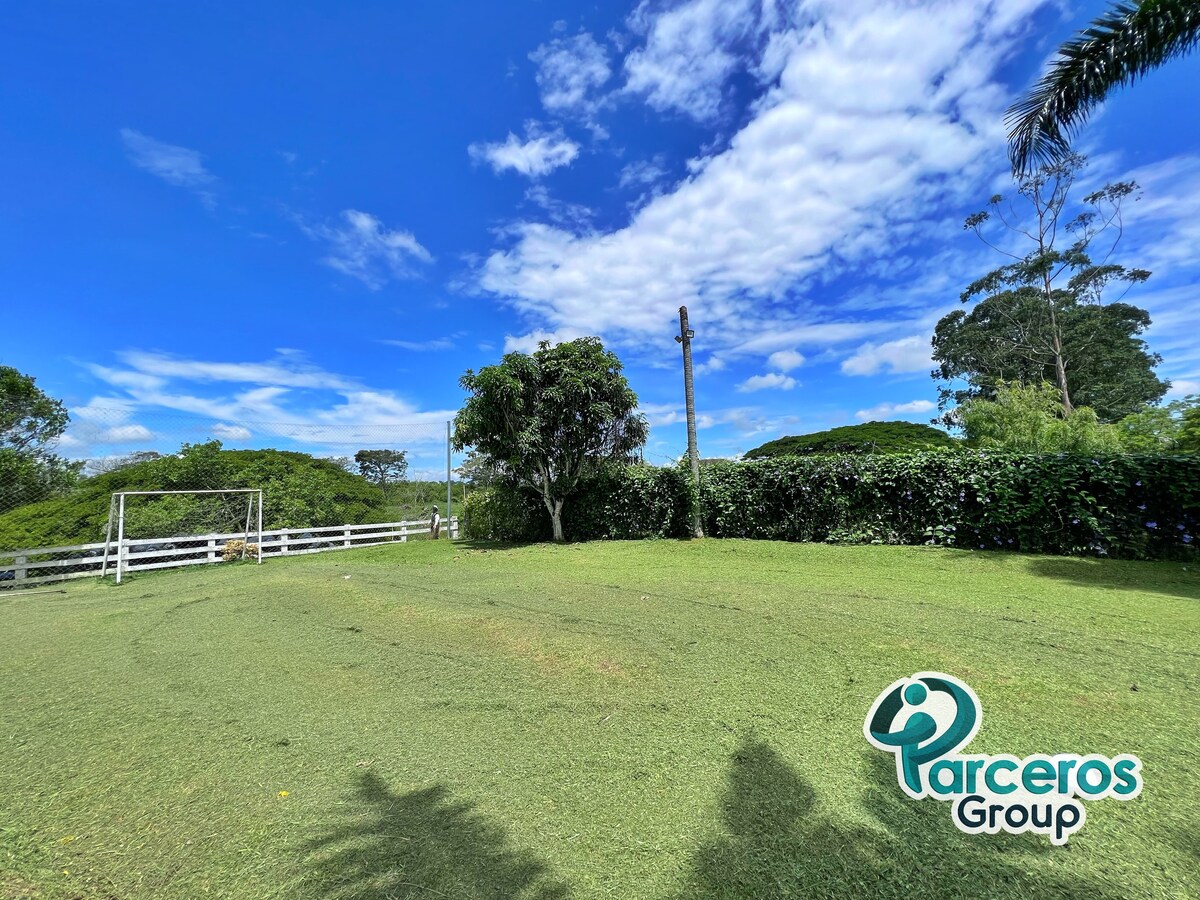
(1122, 45)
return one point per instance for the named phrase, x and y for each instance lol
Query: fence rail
(44, 565)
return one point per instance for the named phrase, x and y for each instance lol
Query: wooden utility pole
(685, 338)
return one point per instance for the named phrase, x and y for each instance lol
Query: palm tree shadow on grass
(424, 844)
(778, 842)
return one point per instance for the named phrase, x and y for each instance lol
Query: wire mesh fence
(325, 485)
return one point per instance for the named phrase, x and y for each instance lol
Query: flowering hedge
(1140, 507)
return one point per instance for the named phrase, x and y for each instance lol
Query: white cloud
(228, 432)
(1183, 387)
(537, 155)
(570, 70)
(175, 165)
(422, 346)
(888, 410)
(689, 53)
(772, 380)
(289, 370)
(910, 354)
(363, 248)
(712, 364)
(125, 434)
(785, 360)
(875, 123)
(642, 173)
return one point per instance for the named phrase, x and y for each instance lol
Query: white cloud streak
(363, 248)
(537, 155)
(178, 166)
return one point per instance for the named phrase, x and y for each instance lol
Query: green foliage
(869, 437)
(298, 491)
(1126, 42)
(551, 418)
(1127, 506)
(30, 423)
(1030, 419)
(1173, 428)
(1041, 316)
(617, 503)
(382, 467)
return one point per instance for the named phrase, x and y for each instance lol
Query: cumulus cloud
(178, 166)
(785, 360)
(770, 381)
(888, 410)
(570, 70)
(227, 432)
(910, 354)
(539, 154)
(872, 123)
(362, 247)
(689, 53)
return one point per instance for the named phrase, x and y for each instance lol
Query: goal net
(161, 529)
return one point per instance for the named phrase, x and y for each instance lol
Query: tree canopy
(382, 467)
(1045, 315)
(869, 437)
(30, 424)
(547, 418)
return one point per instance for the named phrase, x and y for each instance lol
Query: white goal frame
(117, 503)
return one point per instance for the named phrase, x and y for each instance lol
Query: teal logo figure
(922, 740)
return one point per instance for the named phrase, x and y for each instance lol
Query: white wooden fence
(42, 565)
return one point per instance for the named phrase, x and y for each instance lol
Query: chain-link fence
(324, 485)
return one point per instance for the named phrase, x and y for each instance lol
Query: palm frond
(1122, 45)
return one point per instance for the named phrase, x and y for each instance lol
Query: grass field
(626, 720)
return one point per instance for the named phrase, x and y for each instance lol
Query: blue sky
(318, 215)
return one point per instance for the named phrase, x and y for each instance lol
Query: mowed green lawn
(654, 719)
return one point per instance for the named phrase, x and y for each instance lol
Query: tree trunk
(554, 507)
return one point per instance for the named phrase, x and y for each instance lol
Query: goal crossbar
(117, 505)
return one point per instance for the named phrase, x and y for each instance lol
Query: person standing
(435, 524)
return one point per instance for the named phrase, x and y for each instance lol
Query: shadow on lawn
(1121, 575)
(424, 844)
(778, 842)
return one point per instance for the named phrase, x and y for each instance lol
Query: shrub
(1137, 507)
(615, 503)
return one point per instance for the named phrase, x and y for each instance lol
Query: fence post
(19, 570)
(212, 550)
(346, 534)
(283, 544)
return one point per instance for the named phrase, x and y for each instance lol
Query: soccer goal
(165, 529)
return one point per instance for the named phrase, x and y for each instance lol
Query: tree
(1042, 316)
(1121, 46)
(30, 424)
(1173, 428)
(547, 418)
(382, 467)
(1030, 419)
(869, 437)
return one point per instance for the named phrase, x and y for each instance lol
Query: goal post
(156, 521)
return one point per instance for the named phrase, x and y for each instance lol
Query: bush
(1140, 507)
(614, 504)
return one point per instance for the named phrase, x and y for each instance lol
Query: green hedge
(1142, 507)
(617, 504)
